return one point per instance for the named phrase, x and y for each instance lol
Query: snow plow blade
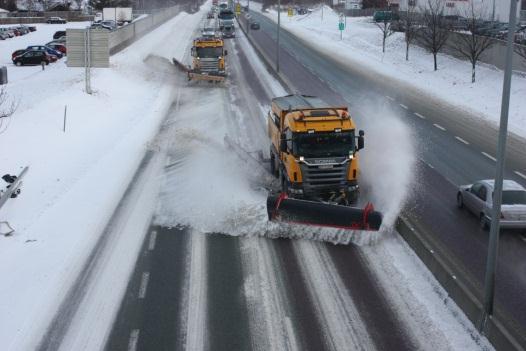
(282, 208)
(205, 76)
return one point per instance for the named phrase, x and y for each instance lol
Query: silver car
(476, 198)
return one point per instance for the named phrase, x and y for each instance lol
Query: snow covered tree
(11, 5)
(436, 32)
(386, 29)
(7, 108)
(471, 45)
(409, 22)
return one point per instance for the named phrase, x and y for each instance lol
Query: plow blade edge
(282, 208)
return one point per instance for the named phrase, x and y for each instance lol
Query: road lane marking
(522, 175)
(153, 239)
(462, 140)
(390, 98)
(134, 338)
(489, 156)
(144, 285)
(419, 115)
(439, 127)
(404, 106)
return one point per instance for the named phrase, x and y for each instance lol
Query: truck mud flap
(282, 208)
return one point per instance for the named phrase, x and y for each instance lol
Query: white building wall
(462, 7)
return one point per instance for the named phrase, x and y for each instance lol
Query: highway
(451, 151)
(203, 290)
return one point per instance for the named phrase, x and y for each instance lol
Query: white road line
(462, 140)
(489, 156)
(144, 285)
(439, 127)
(134, 338)
(419, 115)
(522, 175)
(390, 98)
(404, 106)
(153, 239)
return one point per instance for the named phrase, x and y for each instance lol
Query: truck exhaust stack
(282, 208)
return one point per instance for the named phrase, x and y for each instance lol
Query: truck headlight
(296, 191)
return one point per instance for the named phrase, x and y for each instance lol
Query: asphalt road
(451, 151)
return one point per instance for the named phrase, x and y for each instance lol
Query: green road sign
(341, 26)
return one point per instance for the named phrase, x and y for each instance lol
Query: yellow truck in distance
(208, 60)
(314, 152)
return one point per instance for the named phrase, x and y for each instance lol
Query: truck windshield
(227, 14)
(209, 52)
(323, 144)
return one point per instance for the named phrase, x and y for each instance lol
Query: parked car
(478, 199)
(109, 23)
(99, 25)
(47, 49)
(3, 35)
(15, 31)
(254, 25)
(23, 30)
(56, 20)
(17, 53)
(58, 47)
(59, 34)
(34, 57)
(32, 28)
(58, 41)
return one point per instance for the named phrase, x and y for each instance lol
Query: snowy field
(362, 47)
(77, 177)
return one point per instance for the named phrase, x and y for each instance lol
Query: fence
(30, 20)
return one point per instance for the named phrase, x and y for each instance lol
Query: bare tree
(7, 108)
(435, 34)
(471, 45)
(409, 23)
(387, 30)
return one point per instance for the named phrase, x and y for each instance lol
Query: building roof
(2, 10)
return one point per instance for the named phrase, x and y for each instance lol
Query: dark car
(32, 28)
(385, 16)
(59, 34)
(56, 20)
(254, 25)
(33, 57)
(49, 50)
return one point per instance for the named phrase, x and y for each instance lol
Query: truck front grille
(209, 65)
(323, 178)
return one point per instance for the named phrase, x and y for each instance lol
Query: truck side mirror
(283, 143)
(361, 140)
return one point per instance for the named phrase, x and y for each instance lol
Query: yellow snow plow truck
(208, 60)
(314, 152)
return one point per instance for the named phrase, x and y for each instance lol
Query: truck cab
(314, 149)
(208, 55)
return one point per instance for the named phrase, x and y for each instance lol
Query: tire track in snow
(345, 329)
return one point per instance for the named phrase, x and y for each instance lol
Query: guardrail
(500, 330)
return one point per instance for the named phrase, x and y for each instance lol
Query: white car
(476, 198)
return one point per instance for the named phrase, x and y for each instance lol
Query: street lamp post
(277, 42)
(493, 247)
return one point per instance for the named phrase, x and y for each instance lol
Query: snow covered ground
(362, 46)
(77, 177)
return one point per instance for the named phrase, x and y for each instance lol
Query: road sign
(238, 8)
(290, 12)
(341, 26)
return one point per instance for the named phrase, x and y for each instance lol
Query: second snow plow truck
(314, 152)
(208, 60)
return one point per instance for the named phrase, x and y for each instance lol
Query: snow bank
(362, 48)
(77, 177)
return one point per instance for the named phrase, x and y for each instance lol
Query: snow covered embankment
(77, 177)
(361, 48)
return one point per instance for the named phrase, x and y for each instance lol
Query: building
(462, 7)
(3, 13)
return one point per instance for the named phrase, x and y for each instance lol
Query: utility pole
(279, 26)
(493, 247)
(493, 11)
